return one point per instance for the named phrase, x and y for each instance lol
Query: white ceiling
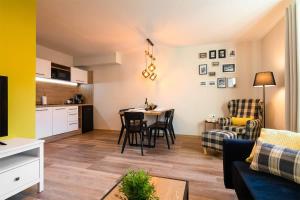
(93, 27)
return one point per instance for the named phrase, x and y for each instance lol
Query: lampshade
(153, 76)
(264, 79)
(145, 73)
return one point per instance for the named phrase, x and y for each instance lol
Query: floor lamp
(264, 79)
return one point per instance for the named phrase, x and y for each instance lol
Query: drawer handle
(60, 109)
(40, 74)
(73, 114)
(42, 110)
(17, 178)
(73, 123)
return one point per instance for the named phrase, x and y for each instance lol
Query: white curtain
(291, 70)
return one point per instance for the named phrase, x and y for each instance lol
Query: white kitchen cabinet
(43, 126)
(60, 120)
(79, 75)
(43, 68)
(73, 118)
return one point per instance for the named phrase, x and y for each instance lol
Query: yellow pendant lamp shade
(153, 76)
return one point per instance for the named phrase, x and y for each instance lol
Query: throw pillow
(277, 160)
(282, 138)
(240, 121)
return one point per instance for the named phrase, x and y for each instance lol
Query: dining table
(157, 112)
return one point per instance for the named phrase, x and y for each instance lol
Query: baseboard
(61, 136)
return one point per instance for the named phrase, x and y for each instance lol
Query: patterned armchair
(244, 108)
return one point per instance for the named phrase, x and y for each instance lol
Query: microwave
(60, 72)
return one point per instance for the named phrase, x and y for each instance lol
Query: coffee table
(166, 189)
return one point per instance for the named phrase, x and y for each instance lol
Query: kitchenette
(64, 100)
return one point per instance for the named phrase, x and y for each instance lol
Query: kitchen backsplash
(58, 94)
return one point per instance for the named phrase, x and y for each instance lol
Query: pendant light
(149, 70)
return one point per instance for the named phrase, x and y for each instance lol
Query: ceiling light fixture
(46, 80)
(149, 70)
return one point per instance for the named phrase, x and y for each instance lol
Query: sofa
(249, 184)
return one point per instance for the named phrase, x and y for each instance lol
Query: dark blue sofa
(249, 184)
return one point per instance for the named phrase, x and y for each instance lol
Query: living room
(99, 88)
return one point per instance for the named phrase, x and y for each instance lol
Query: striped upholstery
(214, 138)
(277, 160)
(244, 108)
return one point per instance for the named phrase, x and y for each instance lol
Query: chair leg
(124, 142)
(204, 150)
(171, 135)
(166, 134)
(142, 142)
(173, 131)
(154, 138)
(121, 134)
(149, 137)
(135, 135)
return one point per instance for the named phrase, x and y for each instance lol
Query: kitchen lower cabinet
(43, 126)
(60, 120)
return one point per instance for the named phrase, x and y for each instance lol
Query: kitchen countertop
(62, 105)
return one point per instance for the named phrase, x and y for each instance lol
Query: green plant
(135, 185)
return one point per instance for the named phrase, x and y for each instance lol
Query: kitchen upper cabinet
(43, 68)
(43, 126)
(60, 120)
(79, 75)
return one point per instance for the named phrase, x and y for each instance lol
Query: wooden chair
(121, 113)
(162, 126)
(134, 126)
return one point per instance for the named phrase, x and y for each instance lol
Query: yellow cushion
(282, 138)
(240, 121)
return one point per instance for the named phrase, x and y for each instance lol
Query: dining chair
(171, 123)
(121, 113)
(134, 125)
(162, 126)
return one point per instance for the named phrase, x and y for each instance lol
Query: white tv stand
(21, 166)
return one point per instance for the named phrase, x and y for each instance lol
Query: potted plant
(135, 185)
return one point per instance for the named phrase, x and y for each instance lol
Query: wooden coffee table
(166, 189)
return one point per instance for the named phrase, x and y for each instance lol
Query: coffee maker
(78, 99)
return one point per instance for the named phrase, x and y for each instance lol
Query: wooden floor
(86, 166)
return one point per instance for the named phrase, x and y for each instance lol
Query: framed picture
(212, 83)
(231, 53)
(221, 82)
(203, 83)
(229, 68)
(203, 55)
(211, 73)
(215, 64)
(212, 54)
(203, 69)
(231, 82)
(222, 53)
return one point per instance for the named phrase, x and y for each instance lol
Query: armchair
(244, 108)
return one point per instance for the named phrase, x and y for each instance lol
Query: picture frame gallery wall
(217, 67)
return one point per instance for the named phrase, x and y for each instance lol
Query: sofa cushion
(241, 130)
(262, 185)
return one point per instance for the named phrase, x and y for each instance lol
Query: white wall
(54, 56)
(177, 85)
(273, 59)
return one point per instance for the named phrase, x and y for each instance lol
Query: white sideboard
(21, 166)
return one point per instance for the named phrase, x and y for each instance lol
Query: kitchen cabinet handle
(40, 74)
(72, 123)
(72, 108)
(42, 110)
(73, 114)
(60, 108)
(17, 178)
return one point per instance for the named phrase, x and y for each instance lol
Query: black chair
(162, 126)
(121, 112)
(134, 125)
(171, 123)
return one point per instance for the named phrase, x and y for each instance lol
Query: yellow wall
(17, 61)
